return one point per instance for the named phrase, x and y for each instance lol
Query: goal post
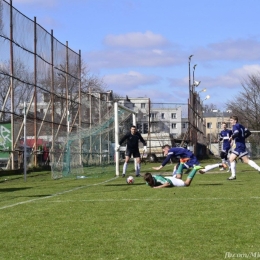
(90, 151)
(117, 108)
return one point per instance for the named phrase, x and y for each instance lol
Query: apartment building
(166, 118)
(214, 121)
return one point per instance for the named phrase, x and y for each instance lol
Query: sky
(141, 48)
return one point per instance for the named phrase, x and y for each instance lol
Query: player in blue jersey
(188, 161)
(132, 140)
(240, 133)
(224, 136)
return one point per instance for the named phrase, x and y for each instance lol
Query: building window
(173, 115)
(183, 125)
(145, 128)
(162, 116)
(152, 115)
(219, 125)
(174, 125)
(209, 125)
(142, 105)
(140, 128)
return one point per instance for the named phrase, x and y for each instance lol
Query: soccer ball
(130, 180)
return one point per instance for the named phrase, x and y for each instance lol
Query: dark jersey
(225, 135)
(132, 140)
(181, 153)
(240, 133)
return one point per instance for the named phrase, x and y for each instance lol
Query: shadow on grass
(210, 184)
(37, 196)
(125, 184)
(13, 189)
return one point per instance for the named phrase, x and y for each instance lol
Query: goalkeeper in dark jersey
(132, 148)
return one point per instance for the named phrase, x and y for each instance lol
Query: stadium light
(196, 83)
(203, 90)
(207, 97)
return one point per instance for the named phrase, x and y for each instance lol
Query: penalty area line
(56, 194)
(173, 199)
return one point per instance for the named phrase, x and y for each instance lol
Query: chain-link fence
(39, 77)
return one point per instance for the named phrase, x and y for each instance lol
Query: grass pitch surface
(102, 217)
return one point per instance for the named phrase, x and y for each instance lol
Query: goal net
(91, 151)
(253, 145)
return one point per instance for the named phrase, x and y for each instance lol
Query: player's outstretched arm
(165, 185)
(158, 168)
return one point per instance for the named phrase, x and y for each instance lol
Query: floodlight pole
(193, 80)
(190, 112)
(24, 143)
(116, 137)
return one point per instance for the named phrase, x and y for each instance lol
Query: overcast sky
(141, 48)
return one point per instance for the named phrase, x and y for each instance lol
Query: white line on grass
(113, 200)
(56, 194)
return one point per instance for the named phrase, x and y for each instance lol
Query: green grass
(104, 218)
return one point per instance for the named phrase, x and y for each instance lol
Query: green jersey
(160, 180)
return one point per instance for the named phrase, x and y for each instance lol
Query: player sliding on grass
(158, 181)
(187, 161)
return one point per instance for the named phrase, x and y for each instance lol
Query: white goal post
(116, 112)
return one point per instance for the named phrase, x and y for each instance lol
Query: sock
(233, 169)
(180, 168)
(124, 168)
(138, 168)
(210, 167)
(227, 163)
(192, 173)
(254, 165)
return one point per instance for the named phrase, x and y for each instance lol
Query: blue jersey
(181, 153)
(240, 133)
(225, 135)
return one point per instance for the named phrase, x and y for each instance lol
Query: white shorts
(176, 182)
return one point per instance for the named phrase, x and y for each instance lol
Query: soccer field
(102, 217)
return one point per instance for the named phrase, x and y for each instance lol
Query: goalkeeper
(132, 140)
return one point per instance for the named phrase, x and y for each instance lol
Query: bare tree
(21, 86)
(91, 82)
(246, 105)
(209, 108)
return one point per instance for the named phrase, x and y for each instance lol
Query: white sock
(233, 168)
(138, 168)
(174, 171)
(228, 163)
(254, 165)
(210, 167)
(124, 168)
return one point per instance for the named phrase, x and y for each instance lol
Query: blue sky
(141, 48)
